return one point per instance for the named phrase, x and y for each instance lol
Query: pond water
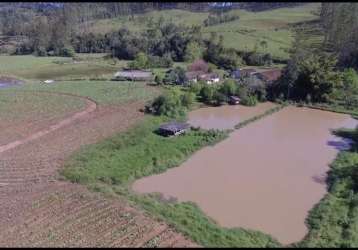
(5, 84)
(225, 117)
(265, 176)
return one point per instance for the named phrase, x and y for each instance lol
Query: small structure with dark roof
(234, 100)
(173, 128)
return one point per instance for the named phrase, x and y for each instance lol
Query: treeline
(214, 19)
(340, 24)
(319, 75)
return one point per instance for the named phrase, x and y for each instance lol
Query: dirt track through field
(90, 107)
(37, 209)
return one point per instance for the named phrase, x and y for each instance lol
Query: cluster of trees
(142, 61)
(214, 19)
(173, 103)
(340, 24)
(318, 75)
(219, 94)
(217, 54)
(47, 36)
(316, 78)
(175, 76)
(258, 59)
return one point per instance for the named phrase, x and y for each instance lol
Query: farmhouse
(173, 128)
(209, 78)
(192, 76)
(133, 75)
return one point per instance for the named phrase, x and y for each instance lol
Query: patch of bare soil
(39, 210)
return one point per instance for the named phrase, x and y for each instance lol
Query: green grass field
(59, 68)
(18, 106)
(273, 26)
(104, 92)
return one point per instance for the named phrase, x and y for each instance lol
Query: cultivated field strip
(38, 210)
(75, 218)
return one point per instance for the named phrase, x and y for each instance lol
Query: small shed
(234, 100)
(173, 128)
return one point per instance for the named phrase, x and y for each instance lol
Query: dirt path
(37, 209)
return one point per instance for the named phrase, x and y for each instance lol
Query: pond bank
(271, 166)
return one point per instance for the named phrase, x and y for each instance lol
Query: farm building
(209, 78)
(234, 100)
(173, 128)
(133, 75)
(192, 76)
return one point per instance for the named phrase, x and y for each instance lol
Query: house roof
(193, 74)
(174, 126)
(208, 76)
(271, 75)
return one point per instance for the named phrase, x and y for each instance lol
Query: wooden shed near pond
(173, 128)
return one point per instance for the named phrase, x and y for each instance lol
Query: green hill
(273, 26)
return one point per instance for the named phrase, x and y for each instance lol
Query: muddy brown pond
(265, 176)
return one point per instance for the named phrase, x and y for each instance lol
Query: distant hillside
(273, 26)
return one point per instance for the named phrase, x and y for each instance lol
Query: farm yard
(178, 125)
(48, 122)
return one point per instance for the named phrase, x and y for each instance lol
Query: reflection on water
(225, 117)
(265, 176)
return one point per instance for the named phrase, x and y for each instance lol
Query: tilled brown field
(39, 210)
(66, 215)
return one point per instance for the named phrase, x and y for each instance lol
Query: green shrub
(250, 100)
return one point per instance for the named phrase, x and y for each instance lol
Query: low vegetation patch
(257, 117)
(138, 152)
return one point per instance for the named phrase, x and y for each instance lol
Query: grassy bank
(260, 116)
(111, 166)
(334, 221)
(332, 108)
